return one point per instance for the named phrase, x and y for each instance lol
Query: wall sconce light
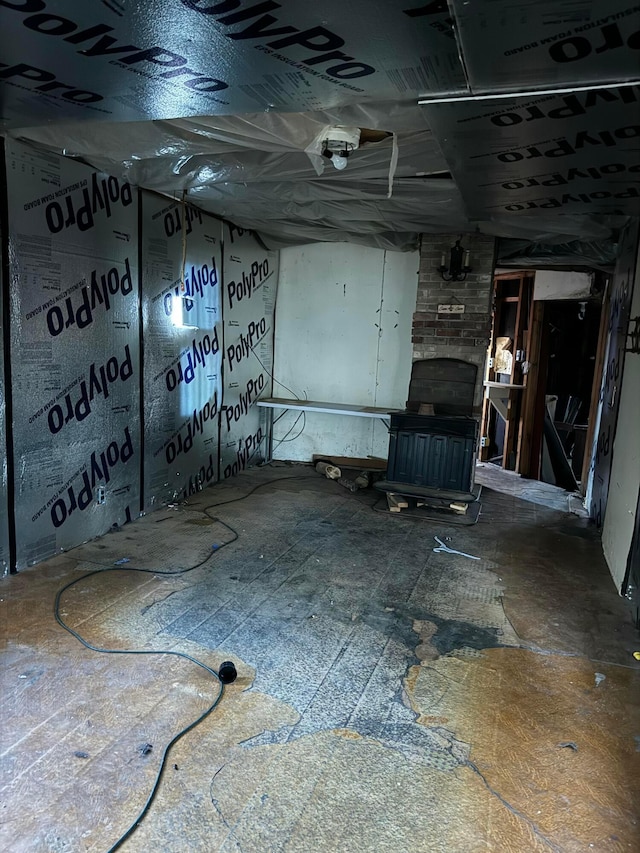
(458, 264)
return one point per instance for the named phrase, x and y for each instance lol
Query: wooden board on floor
(418, 510)
(396, 503)
(370, 463)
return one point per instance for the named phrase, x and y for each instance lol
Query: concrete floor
(389, 698)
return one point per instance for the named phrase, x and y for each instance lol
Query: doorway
(543, 375)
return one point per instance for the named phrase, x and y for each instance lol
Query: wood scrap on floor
(348, 484)
(354, 484)
(349, 480)
(331, 472)
(369, 463)
(396, 503)
(429, 510)
(363, 480)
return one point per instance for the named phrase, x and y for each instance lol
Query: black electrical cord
(290, 430)
(56, 610)
(296, 436)
(304, 423)
(273, 378)
(286, 387)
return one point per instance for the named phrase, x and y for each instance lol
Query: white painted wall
(553, 284)
(617, 530)
(343, 335)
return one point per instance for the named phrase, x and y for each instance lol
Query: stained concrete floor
(389, 698)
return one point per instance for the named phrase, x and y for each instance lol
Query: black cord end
(227, 672)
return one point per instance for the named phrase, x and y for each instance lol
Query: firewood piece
(332, 472)
(396, 502)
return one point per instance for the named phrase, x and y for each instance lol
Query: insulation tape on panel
(251, 274)
(74, 351)
(183, 336)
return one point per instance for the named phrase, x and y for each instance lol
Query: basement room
(320, 426)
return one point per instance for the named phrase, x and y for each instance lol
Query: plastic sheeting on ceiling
(254, 171)
(224, 100)
(593, 255)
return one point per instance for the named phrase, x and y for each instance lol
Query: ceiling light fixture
(339, 144)
(458, 264)
(338, 158)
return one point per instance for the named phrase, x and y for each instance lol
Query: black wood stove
(432, 445)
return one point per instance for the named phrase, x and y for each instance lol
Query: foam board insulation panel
(73, 258)
(183, 336)
(197, 57)
(511, 46)
(568, 157)
(250, 283)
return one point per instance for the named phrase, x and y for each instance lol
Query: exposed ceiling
(228, 101)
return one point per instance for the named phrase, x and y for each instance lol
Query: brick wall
(464, 336)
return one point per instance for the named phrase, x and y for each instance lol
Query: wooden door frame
(512, 431)
(530, 434)
(595, 388)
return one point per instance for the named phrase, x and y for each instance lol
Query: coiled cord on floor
(56, 610)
